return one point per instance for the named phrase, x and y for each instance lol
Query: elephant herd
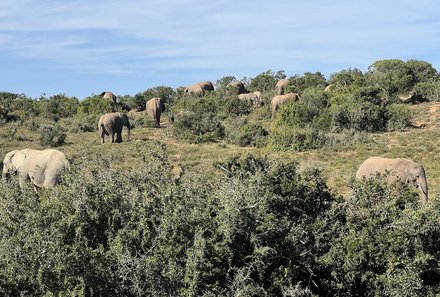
(45, 168)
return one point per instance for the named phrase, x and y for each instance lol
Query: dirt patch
(433, 111)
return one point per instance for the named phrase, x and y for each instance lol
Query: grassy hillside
(338, 164)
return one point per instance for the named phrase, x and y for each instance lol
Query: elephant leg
(118, 137)
(113, 137)
(102, 137)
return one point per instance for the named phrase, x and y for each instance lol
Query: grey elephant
(200, 88)
(281, 86)
(254, 98)
(155, 106)
(206, 86)
(236, 87)
(42, 168)
(403, 170)
(110, 96)
(111, 124)
(279, 100)
(195, 90)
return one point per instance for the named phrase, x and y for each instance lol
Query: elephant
(195, 89)
(328, 88)
(237, 87)
(279, 100)
(110, 96)
(111, 123)
(281, 86)
(206, 86)
(254, 97)
(199, 88)
(403, 170)
(42, 168)
(155, 106)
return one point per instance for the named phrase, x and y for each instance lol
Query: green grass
(338, 165)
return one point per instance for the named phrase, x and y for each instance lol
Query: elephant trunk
(5, 176)
(423, 186)
(128, 127)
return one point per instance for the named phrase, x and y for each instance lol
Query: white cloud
(114, 37)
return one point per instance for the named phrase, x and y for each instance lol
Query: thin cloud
(132, 39)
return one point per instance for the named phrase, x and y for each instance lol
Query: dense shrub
(299, 83)
(428, 90)
(58, 106)
(80, 123)
(233, 107)
(264, 228)
(360, 116)
(52, 135)
(250, 134)
(285, 139)
(398, 117)
(96, 105)
(143, 121)
(265, 82)
(388, 245)
(198, 127)
(139, 100)
(15, 107)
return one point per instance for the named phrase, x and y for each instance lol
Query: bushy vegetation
(51, 135)
(257, 227)
(265, 229)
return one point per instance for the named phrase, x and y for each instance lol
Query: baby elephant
(43, 168)
(403, 170)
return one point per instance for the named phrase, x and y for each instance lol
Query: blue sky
(84, 47)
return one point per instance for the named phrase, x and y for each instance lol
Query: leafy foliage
(51, 135)
(250, 134)
(299, 83)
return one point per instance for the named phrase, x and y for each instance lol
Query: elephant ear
(14, 160)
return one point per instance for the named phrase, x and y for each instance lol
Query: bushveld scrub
(267, 224)
(264, 229)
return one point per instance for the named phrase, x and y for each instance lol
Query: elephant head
(11, 163)
(403, 170)
(414, 173)
(126, 122)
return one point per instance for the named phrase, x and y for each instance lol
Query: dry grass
(337, 165)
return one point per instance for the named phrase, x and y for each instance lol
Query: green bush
(80, 123)
(196, 128)
(285, 139)
(233, 107)
(263, 228)
(428, 90)
(143, 121)
(360, 116)
(250, 134)
(388, 244)
(51, 135)
(96, 105)
(398, 117)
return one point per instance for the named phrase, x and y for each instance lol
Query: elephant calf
(43, 168)
(403, 170)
